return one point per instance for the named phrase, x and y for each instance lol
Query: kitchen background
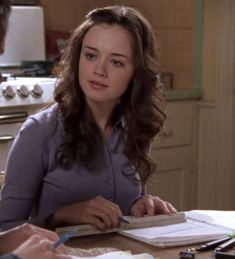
(195, 152)
(174, 22)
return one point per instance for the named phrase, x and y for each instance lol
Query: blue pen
(65, 237)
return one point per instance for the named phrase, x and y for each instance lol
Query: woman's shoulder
(44, 120)
(46, 115)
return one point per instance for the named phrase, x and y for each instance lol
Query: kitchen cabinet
(175, 151)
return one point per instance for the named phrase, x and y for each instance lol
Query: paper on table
(118, 255)
(178, 234)
(216, 217)
(201, 226)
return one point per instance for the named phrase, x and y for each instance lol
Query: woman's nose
(100, 69)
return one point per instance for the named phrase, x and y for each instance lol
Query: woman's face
(106, 63)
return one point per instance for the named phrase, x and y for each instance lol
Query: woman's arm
(23, 177)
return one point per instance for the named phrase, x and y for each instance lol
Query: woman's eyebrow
(120, 55)
(89, 47)
(113, 53)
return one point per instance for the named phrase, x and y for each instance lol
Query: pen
(65, 237)
(123, 220)
(212, 244)
(225, 246)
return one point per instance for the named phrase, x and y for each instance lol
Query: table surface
(128, 244)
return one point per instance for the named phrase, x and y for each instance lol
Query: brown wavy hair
(140, 106)
(5, 9)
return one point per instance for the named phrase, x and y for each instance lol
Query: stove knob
(8, 91)
(37, 90)
(23, 91)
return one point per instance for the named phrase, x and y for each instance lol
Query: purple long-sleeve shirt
(34, 186)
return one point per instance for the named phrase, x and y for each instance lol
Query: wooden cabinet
(174, 150)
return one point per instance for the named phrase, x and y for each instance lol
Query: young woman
(86, 158)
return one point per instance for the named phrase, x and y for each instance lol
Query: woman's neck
(102, 113)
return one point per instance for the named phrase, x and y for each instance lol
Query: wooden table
(124, 243)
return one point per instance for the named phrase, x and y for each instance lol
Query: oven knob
(23, 91)
(8, 91)
(37, 90)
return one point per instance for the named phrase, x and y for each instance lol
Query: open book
(201, 226)
(191, 227)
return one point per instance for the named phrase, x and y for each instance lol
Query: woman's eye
(117, 63)
(90, 56)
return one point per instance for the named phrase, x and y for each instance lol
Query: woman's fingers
(162, 207)
(97, 211)
(38, 247)
(151, 205)
(104, 212)
(28, 230)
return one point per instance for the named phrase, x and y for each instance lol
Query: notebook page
(222, 218)
(178, 234)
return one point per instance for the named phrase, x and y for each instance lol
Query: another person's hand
(16, 236)
(151, 205)
(97, 211)
(40, 248)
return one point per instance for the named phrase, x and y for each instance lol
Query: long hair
(140, 106)
(5, 9)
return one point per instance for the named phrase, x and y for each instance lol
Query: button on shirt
(35, 186)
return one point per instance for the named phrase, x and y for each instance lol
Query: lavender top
(34, 186)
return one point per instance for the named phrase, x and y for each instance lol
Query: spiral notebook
(201, 226)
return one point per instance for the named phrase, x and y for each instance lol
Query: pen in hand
(65, 237)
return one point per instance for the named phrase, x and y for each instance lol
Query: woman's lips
(97, 85)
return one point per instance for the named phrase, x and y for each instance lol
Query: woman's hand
(18, 235)
(151, 205)
(97, 211)
(40, 248)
